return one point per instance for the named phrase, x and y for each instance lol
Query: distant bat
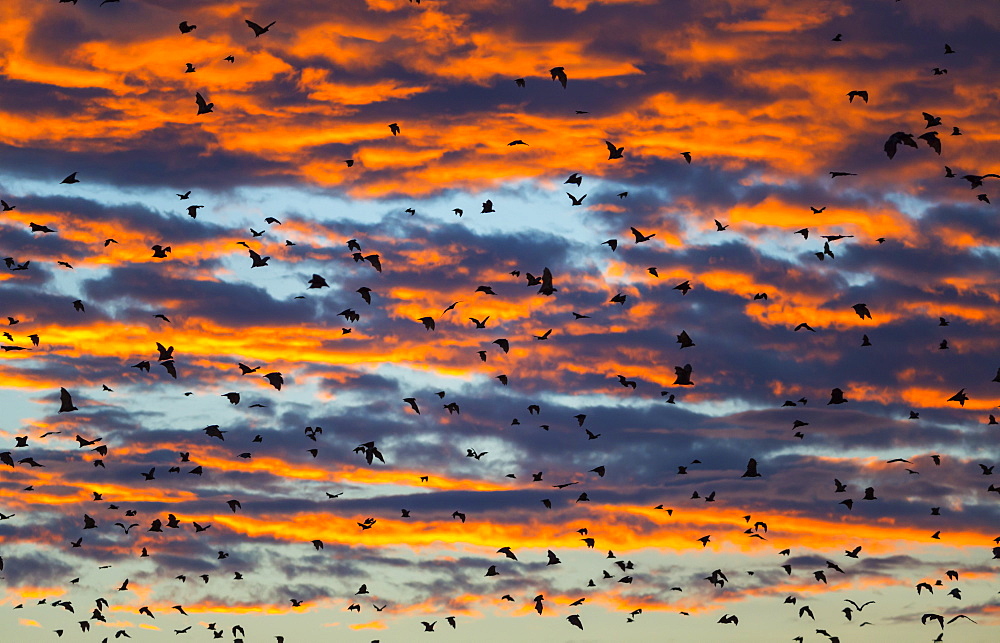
(258, 31)
(204, 107)
(66, 401)
(559, 73)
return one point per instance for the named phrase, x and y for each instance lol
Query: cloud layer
(725, 247)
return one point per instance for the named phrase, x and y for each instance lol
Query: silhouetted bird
(257, 29)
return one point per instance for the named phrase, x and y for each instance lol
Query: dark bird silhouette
(546, 287)
(204, 107)
(66, 401)
(257, 260)
(317, 281)
(860, 93)
(192, 211)
(559, 73)
(640, 237)
(258, 31)
(245, 370)
(506, 551)
(683, 375)
(625, 382)
(751, 471)
(894, 140)
(931, 138)
(859, 607)
(959, 397)
(370, 452)
(932, 617)
(862, 311)
(165, 353)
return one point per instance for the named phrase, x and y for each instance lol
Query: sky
(691, 305)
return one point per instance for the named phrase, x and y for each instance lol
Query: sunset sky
(725, 223)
